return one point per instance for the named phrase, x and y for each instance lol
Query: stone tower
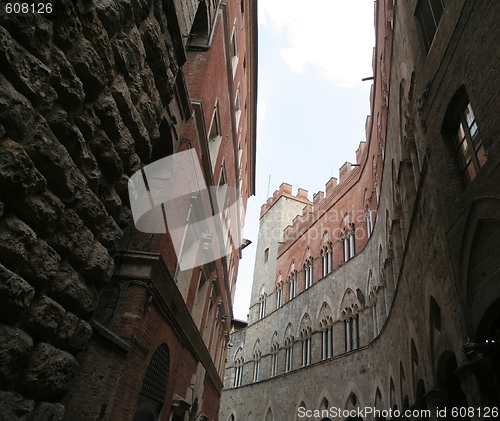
(275, 215)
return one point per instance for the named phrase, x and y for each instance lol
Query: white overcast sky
(312, 104)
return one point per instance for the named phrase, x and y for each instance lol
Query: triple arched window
(238, 372)
(256, 367)
(308, 272)
(326, 261)
(262, 305)
(306, 334)
(349, 241)
(288, 354)
(274, 359)
(293, 285)
(326, 338)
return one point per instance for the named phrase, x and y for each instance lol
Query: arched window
(326, 260)
(308, 272)
(326, 338)
(306, 334)
(349, 242)
(238, 372)
(369, 222)
(256, 368)
(154, 386)
(288, 354)
(198, 35)
(460, 124)
(274, 359)
(429, 14)
(293, 285)
(279, 296)
(279, 292)
(262, 305)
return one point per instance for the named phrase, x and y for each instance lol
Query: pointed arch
(288, 331)
(305, 321)
(479, 274)
(256, 346)
(325, 400)
(269, 415)
(274, 338)
(347, 400)
(324, 314)
(302, 402)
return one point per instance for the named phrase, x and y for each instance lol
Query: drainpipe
(210, 37)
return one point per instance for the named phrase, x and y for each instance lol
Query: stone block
(15, 346)
(150, 116)
(142, 9)
(110, 199)
(129, 53)
(134, 164)
(15, 407)
(110, 163)
(67, 26)
(116, 16)
(158, 58)
(41, 265)
(72, 239)
(48, 372)
(98, 267)
(17, 172)
(74, 142)
(26, 73)
(89, 68)
(41, 211)
(64, 80)
(54, 162)
(31, 30)
(72, 333)
(68, 289)
(43, 317)
(131, 118)
(46, 411)
(16, 112)
(15, 238)
(93, 213)
(94, 31)
(15, 294)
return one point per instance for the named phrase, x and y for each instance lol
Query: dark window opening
(429, 14)
(461, 125)
(199, 30)
(154, 386)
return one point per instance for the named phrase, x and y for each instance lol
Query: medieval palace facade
(383, 292)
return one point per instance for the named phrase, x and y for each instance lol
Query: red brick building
(176, 322)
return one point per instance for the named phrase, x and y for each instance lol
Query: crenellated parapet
(285, 190)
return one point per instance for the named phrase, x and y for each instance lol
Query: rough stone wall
(84, 93)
